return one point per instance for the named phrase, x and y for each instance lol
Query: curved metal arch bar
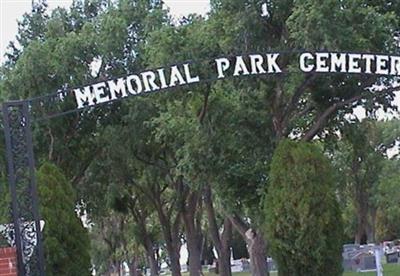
(38, 105)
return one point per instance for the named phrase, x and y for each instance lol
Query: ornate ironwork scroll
(24, 198)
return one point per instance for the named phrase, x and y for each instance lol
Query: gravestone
(368, 263)
(350, 247)
(245, 265)
(359, 258)
(349, 251)
(272, 266)
(347, 264)
(392, 258)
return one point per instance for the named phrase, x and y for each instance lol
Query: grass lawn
(388, 270)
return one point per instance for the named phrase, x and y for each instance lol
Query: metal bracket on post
(23, 190)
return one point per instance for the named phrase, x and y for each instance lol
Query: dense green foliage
(366, 171)
(303, 221)
(140, 168)
(388, 201)
(66, 241)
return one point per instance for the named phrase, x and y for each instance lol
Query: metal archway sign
(18, 116)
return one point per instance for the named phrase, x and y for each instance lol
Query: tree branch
(298, 93)
(281, 122)
(317, 126)
(203, 111)
(239, 224)
(86, 164)
(213, 228)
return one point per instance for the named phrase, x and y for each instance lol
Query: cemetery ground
(388, 270)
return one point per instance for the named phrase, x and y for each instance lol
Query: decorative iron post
(23, 190)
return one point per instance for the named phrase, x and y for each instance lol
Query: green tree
(362, 162)
(388, 202)
(57, 51)
(296, 104)
(138, 184)
(360, 171)
(115, 241)
(66, 241)
(303, 220)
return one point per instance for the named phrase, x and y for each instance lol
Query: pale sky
(12, 10)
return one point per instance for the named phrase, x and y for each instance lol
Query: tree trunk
(193, 233)
(133, 265)
(112, 270)
(220, 241)
(224, 263)
(372, 226)
(362, 214)
(171, 236)
(361, 233)
(224, 254)
(256, 247)
(207, 253)
(153, 264)
(194, 254)
(146, 241)
(174, 257)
